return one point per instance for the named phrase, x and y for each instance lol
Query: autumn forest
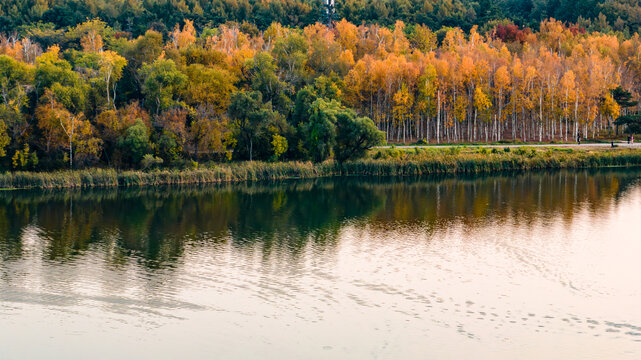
(97, 93)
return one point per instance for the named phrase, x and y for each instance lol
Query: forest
(142, 94)
(136, 16)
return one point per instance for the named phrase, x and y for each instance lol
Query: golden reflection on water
(531, 266)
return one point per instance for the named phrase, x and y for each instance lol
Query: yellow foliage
(279, 145)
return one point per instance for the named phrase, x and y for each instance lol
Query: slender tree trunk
(474, 129)
(438, 119)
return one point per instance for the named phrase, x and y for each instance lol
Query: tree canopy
(43, 17)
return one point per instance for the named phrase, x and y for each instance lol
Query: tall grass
(447, 161)
(389, 162)
(59, 179)
(246, 171)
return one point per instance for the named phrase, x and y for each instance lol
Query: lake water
(527, 266)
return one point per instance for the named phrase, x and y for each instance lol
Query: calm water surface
(535, 266)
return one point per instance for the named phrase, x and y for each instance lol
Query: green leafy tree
(135, 142)
(355, 136)
(623, 97)
(305, 97)
(163, 83)
(290, 53)
(89, 33)
(15, 83)
(333, 130)
(144, 49)
(102, 70)
(56, 74)
(167, 148)
(243, 110)
(266, 81)
(4, 138)
(319, 132)
(632, 122)
(255, 124)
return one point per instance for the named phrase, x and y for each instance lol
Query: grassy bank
(384, 162)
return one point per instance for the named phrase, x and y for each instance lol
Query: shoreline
(381, 163)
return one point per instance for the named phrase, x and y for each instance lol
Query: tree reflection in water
(156, 224)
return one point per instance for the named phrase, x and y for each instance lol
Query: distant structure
(328, 13)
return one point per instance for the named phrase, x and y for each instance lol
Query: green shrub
(521, 151)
